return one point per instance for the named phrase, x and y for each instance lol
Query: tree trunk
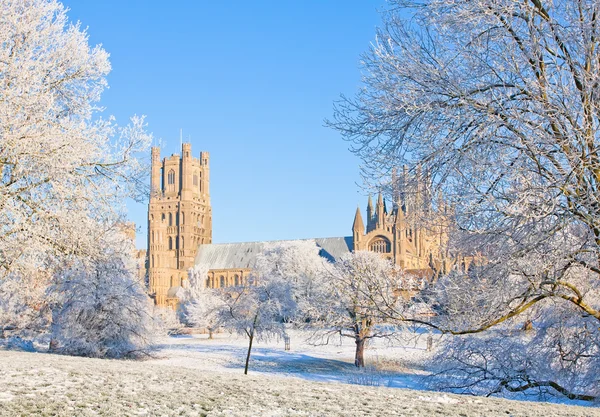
(249, 349)
(359, 359)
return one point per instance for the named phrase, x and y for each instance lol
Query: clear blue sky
(251, 82)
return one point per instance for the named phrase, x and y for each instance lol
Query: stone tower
(179, 219)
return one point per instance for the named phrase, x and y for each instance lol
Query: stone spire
(358, 225)
(370, 214)
(380, 209)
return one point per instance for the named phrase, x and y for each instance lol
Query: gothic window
(170, 219)
(181, 242)
(163, 217)
(171, 177)
(236, 280)
(170, 243)
(380, 245)
(182, 218)
(222, 281)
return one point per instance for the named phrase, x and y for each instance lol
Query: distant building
(180, 231)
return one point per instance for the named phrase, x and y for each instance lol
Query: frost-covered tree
(498, 102)
(199, 305)
(62, 168)
(260, 307)
(99, 308)
(300, 265)
(357, 291)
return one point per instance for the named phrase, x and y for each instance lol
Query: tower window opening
(170, 219)
(171, 177)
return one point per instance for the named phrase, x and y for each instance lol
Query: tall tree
(62, 167)
(498, 101)
(64, 171)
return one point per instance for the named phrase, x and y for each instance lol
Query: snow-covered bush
(100, 308)
(24, 312)
(166, 321)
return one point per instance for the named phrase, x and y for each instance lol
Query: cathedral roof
(243, 255)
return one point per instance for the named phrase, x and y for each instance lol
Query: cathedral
(180, 230)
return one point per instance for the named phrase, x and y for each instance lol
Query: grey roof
(243, 255)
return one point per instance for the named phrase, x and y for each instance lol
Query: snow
(197, 376)
(334, 362)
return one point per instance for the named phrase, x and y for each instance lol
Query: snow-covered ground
(197, 376)
(388, 365)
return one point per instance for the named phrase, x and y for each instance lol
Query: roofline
(275, 241)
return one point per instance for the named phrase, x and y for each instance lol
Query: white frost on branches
(199, 305)
(498, 101)
(64, 176)
(99, 308)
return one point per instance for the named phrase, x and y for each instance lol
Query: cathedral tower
(179, 219)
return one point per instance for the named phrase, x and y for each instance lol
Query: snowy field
(196, 376)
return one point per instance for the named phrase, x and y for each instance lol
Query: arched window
(171, 177)
(380, 245)
(222, 281)
(182, 218)
(170, 219)
(170, 243)
(163, 217)
(181, 242)
(236, 280)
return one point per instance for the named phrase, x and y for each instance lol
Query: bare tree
(498, 101)
(354, 291)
